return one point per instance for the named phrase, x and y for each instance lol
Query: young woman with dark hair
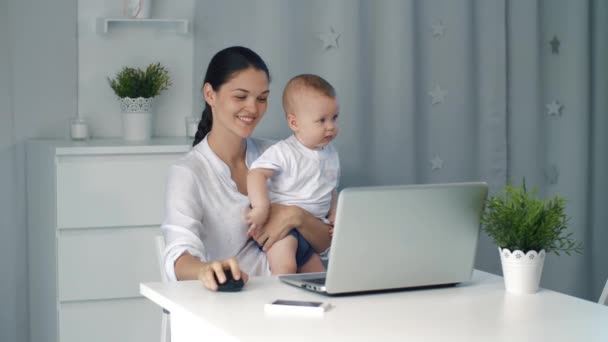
(206, 197)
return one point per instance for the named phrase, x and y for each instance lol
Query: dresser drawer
(135, 319)
(105, 263)
(111, 191)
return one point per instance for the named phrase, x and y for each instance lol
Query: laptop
(398, 237)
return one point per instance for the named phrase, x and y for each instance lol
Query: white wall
(37, 94)
(12, 316)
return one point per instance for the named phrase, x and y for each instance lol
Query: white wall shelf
(102, 25)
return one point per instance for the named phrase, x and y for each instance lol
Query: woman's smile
(247, 119)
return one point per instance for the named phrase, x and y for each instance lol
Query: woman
(206, 200)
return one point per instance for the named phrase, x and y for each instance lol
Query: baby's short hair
(306, 82)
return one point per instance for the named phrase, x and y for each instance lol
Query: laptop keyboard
(319, 281)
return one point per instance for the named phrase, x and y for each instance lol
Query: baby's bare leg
(314, 264)
(282, 256)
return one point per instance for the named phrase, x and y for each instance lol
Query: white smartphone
(296, 307)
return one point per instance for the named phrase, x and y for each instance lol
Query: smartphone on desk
(296, 307)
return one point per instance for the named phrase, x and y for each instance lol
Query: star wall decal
(552, 174)
(438, 30)
(329, 39)
(437, 95)
(436, 163)
(554, 108)
(554, 45)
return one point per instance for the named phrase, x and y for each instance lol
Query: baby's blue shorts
(304, 251)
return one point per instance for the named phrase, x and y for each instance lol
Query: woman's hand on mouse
(210, 270)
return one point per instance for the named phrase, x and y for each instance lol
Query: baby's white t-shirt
(302, 176)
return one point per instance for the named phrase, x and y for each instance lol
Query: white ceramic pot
(521, 271)
(136, 118)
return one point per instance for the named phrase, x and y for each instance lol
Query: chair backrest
(604, 296)
(165, 332)
(160, 249)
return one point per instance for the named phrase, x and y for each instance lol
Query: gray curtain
(448, 90)
(563, 153)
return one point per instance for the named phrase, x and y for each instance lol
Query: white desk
(479, 310)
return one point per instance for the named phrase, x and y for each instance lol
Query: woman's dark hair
(221, 69)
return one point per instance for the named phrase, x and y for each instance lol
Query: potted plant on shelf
(136, 88)
(526, 228)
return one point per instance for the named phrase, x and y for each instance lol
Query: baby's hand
(256, 217)
(331, 217)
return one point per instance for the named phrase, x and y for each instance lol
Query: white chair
(604, 296)
(165, 328)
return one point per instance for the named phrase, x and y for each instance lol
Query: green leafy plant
(134, 82)
(517, 219)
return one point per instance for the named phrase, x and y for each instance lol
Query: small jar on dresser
(94, 209)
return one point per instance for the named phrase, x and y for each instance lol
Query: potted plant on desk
(525, 228)
(136, 88)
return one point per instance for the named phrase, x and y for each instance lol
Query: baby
(303, 170)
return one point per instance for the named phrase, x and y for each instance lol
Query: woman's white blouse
(205, 212)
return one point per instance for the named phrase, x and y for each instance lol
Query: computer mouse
(230, 285)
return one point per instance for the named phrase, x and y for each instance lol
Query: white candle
(79, 129)
(191, 126)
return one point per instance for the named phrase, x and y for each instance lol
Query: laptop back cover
(404, 236)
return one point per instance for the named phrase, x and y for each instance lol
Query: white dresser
(94, 209)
